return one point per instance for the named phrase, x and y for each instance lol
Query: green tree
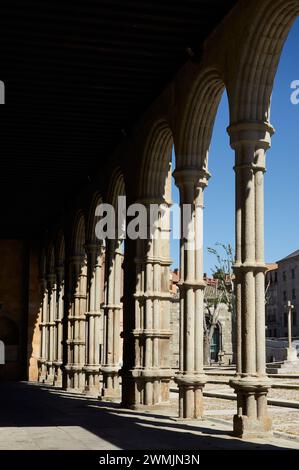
(221, 292)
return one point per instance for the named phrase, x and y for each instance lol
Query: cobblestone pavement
(36, 417)
(284, 419)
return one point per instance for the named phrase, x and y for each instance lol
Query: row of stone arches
(241, 56)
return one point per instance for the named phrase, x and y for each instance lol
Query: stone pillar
(43, 333)
(94, 318)
(151, 372)
(112, 323)
(74, 369)
(51, 281)
(250, 142)
(59, 326)
(191, 379)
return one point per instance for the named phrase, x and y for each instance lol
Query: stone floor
(35, 416)
(284, 419)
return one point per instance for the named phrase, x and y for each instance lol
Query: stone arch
(50, 262)
(10, 337)
(116, 186)
(9, 331)
(251, 85)
(196, 119)
(156, 160)
(91, 219)
(78, 235)
(60, 249)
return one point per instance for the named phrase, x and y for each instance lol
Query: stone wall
(12, 307)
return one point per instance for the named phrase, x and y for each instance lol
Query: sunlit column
(113, 320)
(250, 142)
(191, 379)
(94, 318)
(43, 346)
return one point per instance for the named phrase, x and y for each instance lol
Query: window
(293, 294)
(275, 277)
(285, 295)
(293, 274)
(284, 276)
(275, 332)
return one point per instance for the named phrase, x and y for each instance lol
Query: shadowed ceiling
(77, 75)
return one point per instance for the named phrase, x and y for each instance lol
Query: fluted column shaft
(59, 325)
(151, 373)
(250, 142)
(112, 322)
(51, 282)
(43, 332)
(191, 379)
(94, 318)
(74, 368)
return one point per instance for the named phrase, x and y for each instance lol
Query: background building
(282, 284)
(222, 348)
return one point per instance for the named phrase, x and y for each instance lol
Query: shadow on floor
(34, 405)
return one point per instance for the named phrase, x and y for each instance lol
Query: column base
(190, 396)
(110, 395)
(290, 354)
(74, 378)
(111, 389)
(144, 390)
(42, 372)
(92, 381)
(50, 375)
(50, 379)
(58, 375)
(245, 427)
(252, 418)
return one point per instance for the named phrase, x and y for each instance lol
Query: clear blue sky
(281, 179)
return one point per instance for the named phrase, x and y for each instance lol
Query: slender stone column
(112, 323)
(42, 372)
(250, 142)
(51, 280)
(59, 326)
(94, 318)
(191, 379)
(75, 376)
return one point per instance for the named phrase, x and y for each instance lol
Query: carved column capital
(257, 133)
(191, 176)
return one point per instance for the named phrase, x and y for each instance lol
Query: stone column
(59, 326)
(112, 323)
(94, 318)
(74, 369)
(191, 379)
(43, 333)
(151, 372)
(51, 281)
(250, 142)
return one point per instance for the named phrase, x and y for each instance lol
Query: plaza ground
(38, 417)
